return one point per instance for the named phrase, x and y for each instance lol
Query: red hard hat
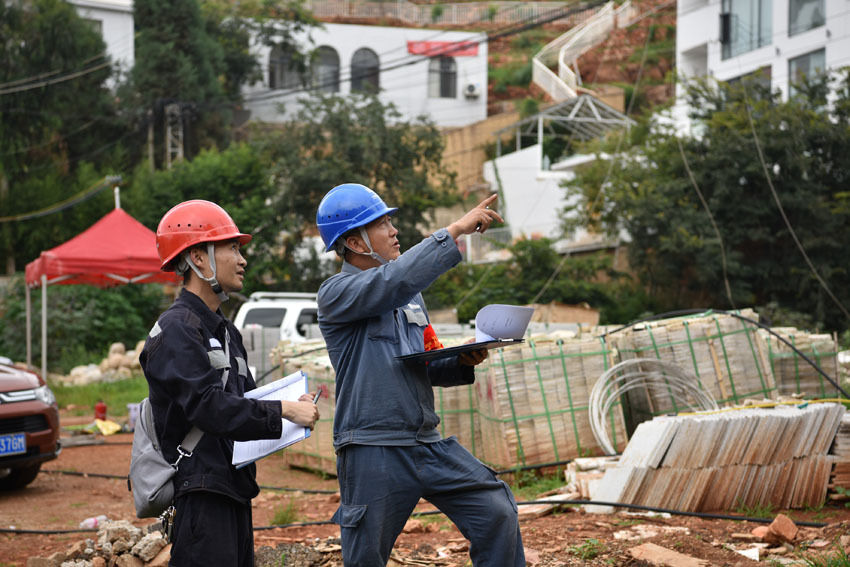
(190, 223)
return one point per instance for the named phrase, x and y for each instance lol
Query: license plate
(13, 444)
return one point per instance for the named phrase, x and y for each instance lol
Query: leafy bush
(516, 74)
(82, 321)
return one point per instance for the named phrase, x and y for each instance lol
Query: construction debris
(118, 543)
(663, 557)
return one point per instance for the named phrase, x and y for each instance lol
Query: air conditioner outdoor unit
(472, 90)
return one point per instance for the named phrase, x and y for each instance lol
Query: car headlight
(45, 395)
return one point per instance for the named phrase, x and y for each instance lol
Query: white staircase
(566, 49)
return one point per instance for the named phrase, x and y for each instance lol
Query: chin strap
(372, 253)
(216, 287)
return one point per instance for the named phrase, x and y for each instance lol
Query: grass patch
(527, 485)
(837, 559)
(287, 514)
(588, 550)
(530, 41)
(516, 74)
(765, 511)
(442, 522)
(116, 395)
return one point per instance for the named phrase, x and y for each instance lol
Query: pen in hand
(317, 396)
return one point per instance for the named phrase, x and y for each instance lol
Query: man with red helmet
(389, 450)
(197, 373)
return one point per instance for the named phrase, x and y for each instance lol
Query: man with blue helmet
(389, 451)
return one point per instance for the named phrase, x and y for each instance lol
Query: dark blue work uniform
(183, 361)
(389, 451)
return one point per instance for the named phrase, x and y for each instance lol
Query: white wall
(698, 34)
(533, 198)
(116, 19)
(406, 86)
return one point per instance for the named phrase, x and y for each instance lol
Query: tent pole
(117, 192)
(44, 326)
(29, 325)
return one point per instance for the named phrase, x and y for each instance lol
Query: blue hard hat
(348, 206)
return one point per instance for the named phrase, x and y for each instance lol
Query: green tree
(751, 144)
(234, 178)
(178, 62)
(335, 140)
(536, 273)
(84, 321)
(57, 121)
(272, 184)
(234, 25)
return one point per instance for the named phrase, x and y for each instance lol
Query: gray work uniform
(389, 451)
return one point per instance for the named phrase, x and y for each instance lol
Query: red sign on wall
(450, 48)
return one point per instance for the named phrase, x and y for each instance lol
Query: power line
(48, 82)
(710, 218)
(790, 228)
(408, 60)
(86, 194)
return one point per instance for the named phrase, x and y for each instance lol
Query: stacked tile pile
(793, 374)
(726, 355)
(727, 460)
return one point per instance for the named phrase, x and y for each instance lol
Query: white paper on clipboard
(498, 321)
(287, 388)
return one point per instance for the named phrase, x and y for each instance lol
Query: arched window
(365, 71)
(326, 69)
(283, 73)
(442, 77)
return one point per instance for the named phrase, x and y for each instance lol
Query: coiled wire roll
(634, 373)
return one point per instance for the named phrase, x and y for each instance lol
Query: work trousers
(211, 529)
(380, 486)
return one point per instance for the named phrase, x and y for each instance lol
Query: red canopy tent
(115, 250)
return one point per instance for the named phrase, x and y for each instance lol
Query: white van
(291, 312)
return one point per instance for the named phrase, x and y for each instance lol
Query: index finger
(488, 201)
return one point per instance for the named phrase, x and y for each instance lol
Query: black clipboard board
(439, 353)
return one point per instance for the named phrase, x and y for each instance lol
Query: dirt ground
(58, 501)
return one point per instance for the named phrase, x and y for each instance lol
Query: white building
(438, 73)
(777, 40)
(113, 19)
(534, 190)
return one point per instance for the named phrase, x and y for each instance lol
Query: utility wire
(622, 135)
(49, 82)
(42, 76)
(710, 218)
(528, 23)
(86, 194)
(778, 337)
(790, 228)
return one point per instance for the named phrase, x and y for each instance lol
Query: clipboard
(439, 353)
(287, 388)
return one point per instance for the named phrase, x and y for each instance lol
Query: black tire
(13, 479)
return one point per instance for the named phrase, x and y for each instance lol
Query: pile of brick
(118, 544)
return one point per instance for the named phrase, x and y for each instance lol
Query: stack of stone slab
(726, 355)
(726, 460)
(795, 376)
(532, 401)
(528, 405)
(840, 480)
(311, 357)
